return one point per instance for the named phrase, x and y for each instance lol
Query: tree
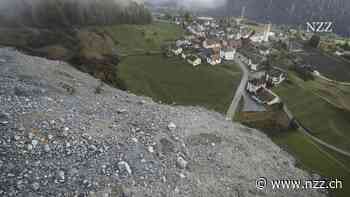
(65, 13)
(314, 41)
(346, 46)
(168, 16)
(188, 16)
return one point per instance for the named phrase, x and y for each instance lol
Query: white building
(276, 76)
(177, 51)
(254, 85)
(228, 53)
(214, 58)
(210, 44)
(213, 61)
(265, 36)
(200, 28)
(205, 18)
(259, 37)
(254, 63)
(194, 60)
(180, 43)
(230, 36)
(264, 52)
(267, 32)
(194, 32)
(338, 53)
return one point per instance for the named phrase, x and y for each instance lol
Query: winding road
(240, 90)
(240, 93)
(307, 132)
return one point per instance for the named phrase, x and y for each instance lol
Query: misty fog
(193, 4)
(59, 13)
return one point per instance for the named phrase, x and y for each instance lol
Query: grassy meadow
(316, 159)
(323, 108)
(145, 71)
(172, 80)
(138, 39)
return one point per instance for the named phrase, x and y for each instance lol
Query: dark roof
(264, 95)
(235, 43)
(262, 47)
(257, 81)
(275, 72)
(204, 53)
(192, 57)
(251, 53)
(227, 49)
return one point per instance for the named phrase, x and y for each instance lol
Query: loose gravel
(59, 138)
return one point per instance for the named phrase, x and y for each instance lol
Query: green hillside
(175, 81)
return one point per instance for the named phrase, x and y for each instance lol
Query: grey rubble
(60, 138)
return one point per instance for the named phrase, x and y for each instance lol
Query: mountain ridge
(295, 12)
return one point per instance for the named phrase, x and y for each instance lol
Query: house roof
(263, 47)
(257, 81)
(252, 54)
(235, 43)
(275, 72)
(215, 50)
(205, 18)
(228, 49)
(264, 95)
(213, 41)
(204, 53)
(192, 57)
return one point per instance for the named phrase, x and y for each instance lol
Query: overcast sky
(186, 3)
(195, 3)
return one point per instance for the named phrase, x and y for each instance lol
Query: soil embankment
(87, 49)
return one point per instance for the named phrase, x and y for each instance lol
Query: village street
(240, 90)
(249, 104)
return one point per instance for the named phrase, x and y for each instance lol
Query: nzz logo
(319, 27)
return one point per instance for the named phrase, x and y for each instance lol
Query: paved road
(250, 105)
(240, 90)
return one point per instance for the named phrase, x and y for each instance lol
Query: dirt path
(307, 132)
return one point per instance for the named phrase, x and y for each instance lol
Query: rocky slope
(62, 133)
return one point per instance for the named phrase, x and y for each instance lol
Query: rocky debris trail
(59, 138)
